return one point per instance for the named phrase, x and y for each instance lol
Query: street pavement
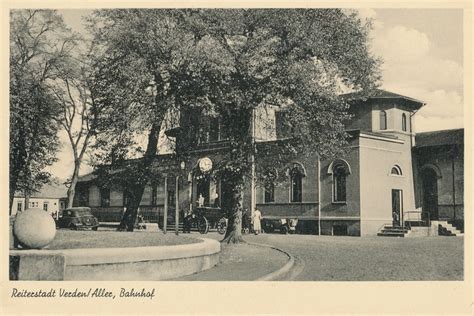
(338, 258)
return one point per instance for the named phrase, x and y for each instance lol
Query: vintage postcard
(246, 158)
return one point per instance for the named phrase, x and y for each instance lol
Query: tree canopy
(225, 63)
(40, 45)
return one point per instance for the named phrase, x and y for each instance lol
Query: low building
(51, 199)
(439, 185)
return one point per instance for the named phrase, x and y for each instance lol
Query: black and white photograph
(195, 146)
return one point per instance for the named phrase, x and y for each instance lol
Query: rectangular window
(105, 197)
(270, 193)
(383, 120)
(214, 130)
(171, 198)
(203, 137)
(224, 131)
(19, 206)
(45, 206)
(404, 122)
(154, 192)
(124, 197)
(84, 197)
(33, 204)
(203, 188)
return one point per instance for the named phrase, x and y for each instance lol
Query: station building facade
(384, 172)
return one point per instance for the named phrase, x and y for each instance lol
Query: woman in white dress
(257, 216)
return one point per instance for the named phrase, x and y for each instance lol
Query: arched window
(296, 171)
(404, 122)
(383, 120)
(296, 185)
(339, 169)
(396, 171)
(339, 188)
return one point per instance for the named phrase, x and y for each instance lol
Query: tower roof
(379, 94)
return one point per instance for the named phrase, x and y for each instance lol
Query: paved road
(328, 258)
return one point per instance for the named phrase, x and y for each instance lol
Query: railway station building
(388, 169)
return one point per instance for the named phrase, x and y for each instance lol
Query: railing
(422, 218)
(114, 214)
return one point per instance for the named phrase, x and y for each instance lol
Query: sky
(422, 50)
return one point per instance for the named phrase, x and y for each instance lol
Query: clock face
(205, 164)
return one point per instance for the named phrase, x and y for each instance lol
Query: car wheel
(284, 229)
(73, 227)
(95, 228)
(269, 228)
(203, 225)
(222, 226)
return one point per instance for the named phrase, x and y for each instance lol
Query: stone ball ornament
(34, 228)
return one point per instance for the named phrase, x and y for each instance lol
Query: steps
(458, 224)
(393, 231)
(443, 229)
(447, 229)
(170, 226)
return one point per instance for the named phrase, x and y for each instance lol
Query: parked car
(284, 225)
(78, 218)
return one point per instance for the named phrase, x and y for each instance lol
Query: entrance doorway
(397, 207)
(202, 189)
(430, 194)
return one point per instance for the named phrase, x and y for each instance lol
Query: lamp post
(253, 204)
(176, 225)
(165, 211)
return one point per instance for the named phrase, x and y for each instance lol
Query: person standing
(200, 201)
(257, 217)
(395, 219)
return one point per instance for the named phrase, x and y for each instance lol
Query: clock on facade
(205, 164)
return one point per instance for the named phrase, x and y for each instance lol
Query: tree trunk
(140, 180)
(130, 216)
(27, 201)
(17, 163)
(71, 191)
(12, 194)
(234, 193)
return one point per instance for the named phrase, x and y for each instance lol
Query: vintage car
(78, 218)
(284, 225)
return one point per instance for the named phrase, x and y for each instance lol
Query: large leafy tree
(297, 60)
(149, 63)
(227, 63)
(40, 44)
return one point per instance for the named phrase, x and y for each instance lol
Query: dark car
(78, 218)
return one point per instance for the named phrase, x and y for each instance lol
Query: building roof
(164, 162)
(51, 191)
(87, 177)
(440, 138)
(379, 94)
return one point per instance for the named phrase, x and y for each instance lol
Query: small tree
(78, 114)
(40, 43)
